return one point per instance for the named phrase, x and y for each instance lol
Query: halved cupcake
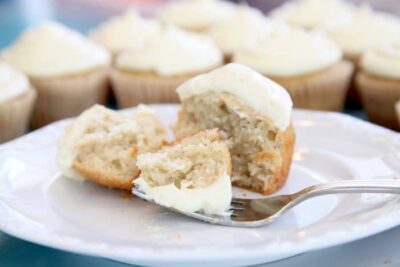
(68, 71)
(125, 31)
(306, 63)
(245, 27)
(102, 145)
(312, 14)
(197, 15)
(192, 175)
(17, 98)
(253, 117)
(378, 84)
(151, 73)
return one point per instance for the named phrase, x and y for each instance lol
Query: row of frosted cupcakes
(146, 60)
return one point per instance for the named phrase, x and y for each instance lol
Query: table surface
(378, 250)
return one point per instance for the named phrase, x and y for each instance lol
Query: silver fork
(263, 211)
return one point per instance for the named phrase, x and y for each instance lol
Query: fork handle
(391, 186)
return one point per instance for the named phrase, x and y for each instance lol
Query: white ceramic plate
(38, 205)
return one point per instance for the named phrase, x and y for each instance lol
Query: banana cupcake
(68, 71)
(197, 15)
(150, 74)
(378, 84)
(124, 31)
(253, 117)
(311, 14)
(365, 30)
(247, 26)
(16, 102)
(306, 63)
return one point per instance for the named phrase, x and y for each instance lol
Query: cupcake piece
(311, 14)
(365, 30)
(125, 31)
(247, 26)
(68, 71)
(16, 103)
(253, 117)
(101, 145)
(378, 84)
(192, 175)
(197, 15)
(306, 63)
(151, 74)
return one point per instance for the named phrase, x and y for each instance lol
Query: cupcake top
(245, 27)
(197, 15)
(313, 13)
(290, 51)
(174, 52)
(367, 29)
(127, 30)
(12, 83)
(383, 61)
(254, 89)
(51, 49)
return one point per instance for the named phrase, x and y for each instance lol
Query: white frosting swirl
(254, 89)
(12, 83)
(51, 49)
(367, 29)
(247, 26)
(313, 13)
(173, 52)
(290, 51)
(383, 61)
(197, 14)
(127, 30)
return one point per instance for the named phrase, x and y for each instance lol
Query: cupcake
(101, 145)
(306, 63)
(151, 73)
(68, 71)
(311, 14)
(16, 103)
(197, 15)
(378, 83)
(247, 26)
(253, 117)
(365, 30)
(124, 31)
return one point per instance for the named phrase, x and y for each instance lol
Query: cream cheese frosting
(290, 51)
(367, 29)
(197, 14)
(383, 61)
(12, 83)
(212, 199)
(313, 13)
(127, 30)
(51, 49)
(247, 26)
(254, 89)
(173, 52)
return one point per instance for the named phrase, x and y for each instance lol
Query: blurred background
(16, 15)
